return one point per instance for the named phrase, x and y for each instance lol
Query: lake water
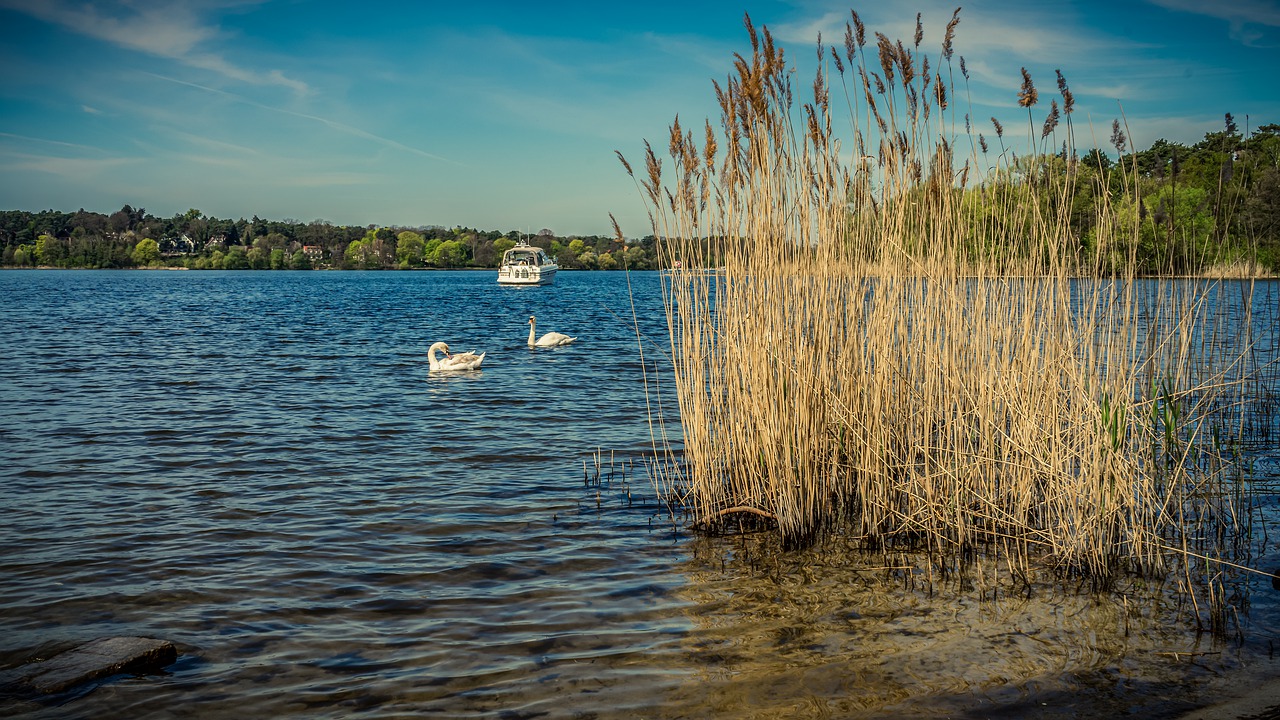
(259, 468)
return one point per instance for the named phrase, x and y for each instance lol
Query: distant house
(314, 253)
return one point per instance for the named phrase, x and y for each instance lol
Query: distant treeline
(131, 237)
(1213, 203)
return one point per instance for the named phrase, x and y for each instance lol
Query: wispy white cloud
(73, 168)
(332, 124)
(26, 140)
(1243, 17)
(175, 30)
(90, 110)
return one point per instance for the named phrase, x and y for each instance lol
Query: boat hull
(524, 275)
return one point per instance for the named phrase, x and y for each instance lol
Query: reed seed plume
(919, 36)
(888, 56)
(906, 64)
(625, 164)
(963, 70)
(1117, 136)
(1051, 120)
(1068, 100)
(1027, 96)
(617, 229)
(910, 346)
(949, 35)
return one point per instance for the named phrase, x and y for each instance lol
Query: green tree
(453, 253)
(359, 254)
(259, 259)
(300, 261)
(277, 260)
(638, 258)
(146, 252)
(410, 249)
(50, 250)
(502, 245)
(24, 255)
(235, 259)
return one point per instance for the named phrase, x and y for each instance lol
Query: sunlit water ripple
(258, 467)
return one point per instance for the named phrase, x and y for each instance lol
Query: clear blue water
(259, 468)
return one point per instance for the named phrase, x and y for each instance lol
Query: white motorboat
(526, 264)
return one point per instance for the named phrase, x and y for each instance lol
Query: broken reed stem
(888, 341)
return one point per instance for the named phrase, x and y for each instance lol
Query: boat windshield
(521, 256)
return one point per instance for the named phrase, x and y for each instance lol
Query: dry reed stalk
(868, 340)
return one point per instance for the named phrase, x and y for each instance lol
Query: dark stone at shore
(84, 663)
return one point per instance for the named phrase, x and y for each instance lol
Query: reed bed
(890, 328)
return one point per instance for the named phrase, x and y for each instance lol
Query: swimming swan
(461, 361)
(551, 339)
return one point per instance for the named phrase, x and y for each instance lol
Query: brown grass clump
(865, 329)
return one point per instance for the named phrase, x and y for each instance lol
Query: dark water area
(259, 468)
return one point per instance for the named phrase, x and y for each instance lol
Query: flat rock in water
(93, 660)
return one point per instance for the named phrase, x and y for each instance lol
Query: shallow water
(258, 467)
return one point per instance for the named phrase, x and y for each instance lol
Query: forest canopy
(1195, 208)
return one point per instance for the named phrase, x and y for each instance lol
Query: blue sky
(506, 115)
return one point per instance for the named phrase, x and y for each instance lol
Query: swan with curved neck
(551, 339)
(461, 361)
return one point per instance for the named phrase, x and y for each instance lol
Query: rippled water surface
(259, 468)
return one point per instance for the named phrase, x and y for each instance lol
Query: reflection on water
(258, 467)
(836, 632)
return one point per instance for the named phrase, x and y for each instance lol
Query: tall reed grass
(890, 326)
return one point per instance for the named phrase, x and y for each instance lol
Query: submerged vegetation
(913, 336)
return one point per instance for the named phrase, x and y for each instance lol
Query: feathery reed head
(998, 126)
(1068, 100)
(950, 35)
(617, 231)
(919, 36)
(1051, 121)
(1027, 96)
(888, 54)
(625, 164)
(905, 64)
(963, 70)
(1117, 136)
(709, 149)
(862, 29)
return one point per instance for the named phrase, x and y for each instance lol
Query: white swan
(461, 361)
(551, 339)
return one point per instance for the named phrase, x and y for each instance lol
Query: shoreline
(1259, 703)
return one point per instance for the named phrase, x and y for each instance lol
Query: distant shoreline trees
(1196, 209)
(131, 238)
